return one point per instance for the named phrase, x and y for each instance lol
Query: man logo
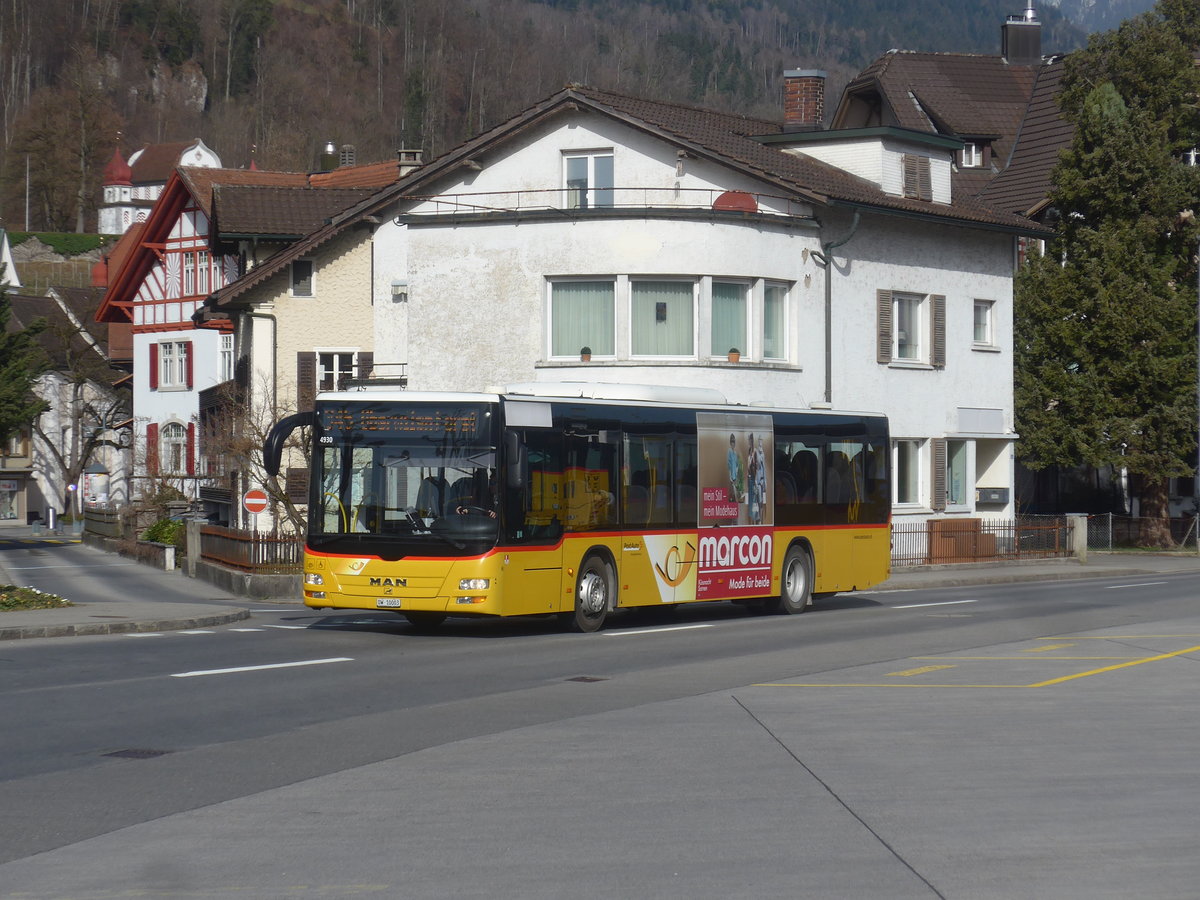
(389, 582)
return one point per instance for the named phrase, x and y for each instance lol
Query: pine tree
(1105, 334)
(21, 361)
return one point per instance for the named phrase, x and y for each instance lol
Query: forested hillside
(274, 80)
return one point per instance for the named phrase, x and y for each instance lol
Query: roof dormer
(904, 163)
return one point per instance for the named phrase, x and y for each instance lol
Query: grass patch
(13, 597)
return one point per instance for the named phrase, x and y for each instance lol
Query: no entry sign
(254, 500)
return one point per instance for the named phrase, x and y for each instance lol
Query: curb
(966, 580)
(19, 632)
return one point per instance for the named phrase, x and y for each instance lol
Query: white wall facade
(478, 289)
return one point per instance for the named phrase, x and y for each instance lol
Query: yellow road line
(1048, 648)
(921, 671)
(1011, 658)
(1124, 665)
(894, 684)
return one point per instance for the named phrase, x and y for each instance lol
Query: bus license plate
(387, 602)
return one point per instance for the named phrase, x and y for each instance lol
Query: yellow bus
(580, 499)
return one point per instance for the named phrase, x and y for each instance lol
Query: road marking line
(287, 665)
(198, 631)
(107, 566)
(1124, 665)
(654, 630)
(140, 634)
(945, 603)
(1117, 587)
(289, 627)
(921, 671)
(894, 684)
(245, 629)
(1047, 648)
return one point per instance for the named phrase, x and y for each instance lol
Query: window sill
(914, 364)
(692, 363)
(986, 348)
(910, 509)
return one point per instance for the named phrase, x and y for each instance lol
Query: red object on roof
(117, 171)
(738, 201)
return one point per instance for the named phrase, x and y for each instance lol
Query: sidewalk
(118, 616)
(111, 616)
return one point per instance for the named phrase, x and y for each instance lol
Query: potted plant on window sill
(735, 355)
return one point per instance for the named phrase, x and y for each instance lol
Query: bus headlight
(313, 578)
(474, 584)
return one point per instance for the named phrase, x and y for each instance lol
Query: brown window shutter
(908, 165)
(924, 179)
(190, 462)
(937, 455)
(366, 364)
(153, 371)
(297, 485)
(187, 364)
(937, 321)
(883, 337)
(306, 381)
(152, 448)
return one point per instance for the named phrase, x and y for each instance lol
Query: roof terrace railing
(572, 201)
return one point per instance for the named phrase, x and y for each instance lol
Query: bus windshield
(419, 475)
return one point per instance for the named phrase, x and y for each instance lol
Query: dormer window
(972, 155)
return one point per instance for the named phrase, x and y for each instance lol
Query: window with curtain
(956, 473)
(907, 480)
(728, 317)
(774, 321)
(582, 315)
(662, 318)
(908, 326)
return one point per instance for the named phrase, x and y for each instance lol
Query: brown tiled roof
(61, 339)
(732, 139)
(157, 162)
(956, 94)
(279, 211)
(374, 175)
(83, 303)
(1025, 183)
(200, 181)
(725, 138)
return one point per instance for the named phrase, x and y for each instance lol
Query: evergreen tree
(21, 361)
(1105, 334)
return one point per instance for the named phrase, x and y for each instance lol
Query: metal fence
(1109, 531)
(945, 541)
(251, 551)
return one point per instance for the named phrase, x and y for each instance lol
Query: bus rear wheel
(595, 590)
(795, 591)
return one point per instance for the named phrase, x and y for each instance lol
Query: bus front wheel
(796, 582)
(594, 593)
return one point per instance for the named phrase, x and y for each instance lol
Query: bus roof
(567, 390)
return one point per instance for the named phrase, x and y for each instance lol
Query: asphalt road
(1010, 741)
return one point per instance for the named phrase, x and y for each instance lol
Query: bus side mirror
(517, 456)
(273, 446)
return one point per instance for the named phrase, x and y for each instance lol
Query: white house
(653, 238)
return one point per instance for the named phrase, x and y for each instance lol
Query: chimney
(1021, 38)
(346, 156)
(803, 100)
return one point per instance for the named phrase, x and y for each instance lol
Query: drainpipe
(824, 260)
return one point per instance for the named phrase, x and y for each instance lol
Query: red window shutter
(187, 363)
(190, 462)
(152, 448)
(154, 367)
